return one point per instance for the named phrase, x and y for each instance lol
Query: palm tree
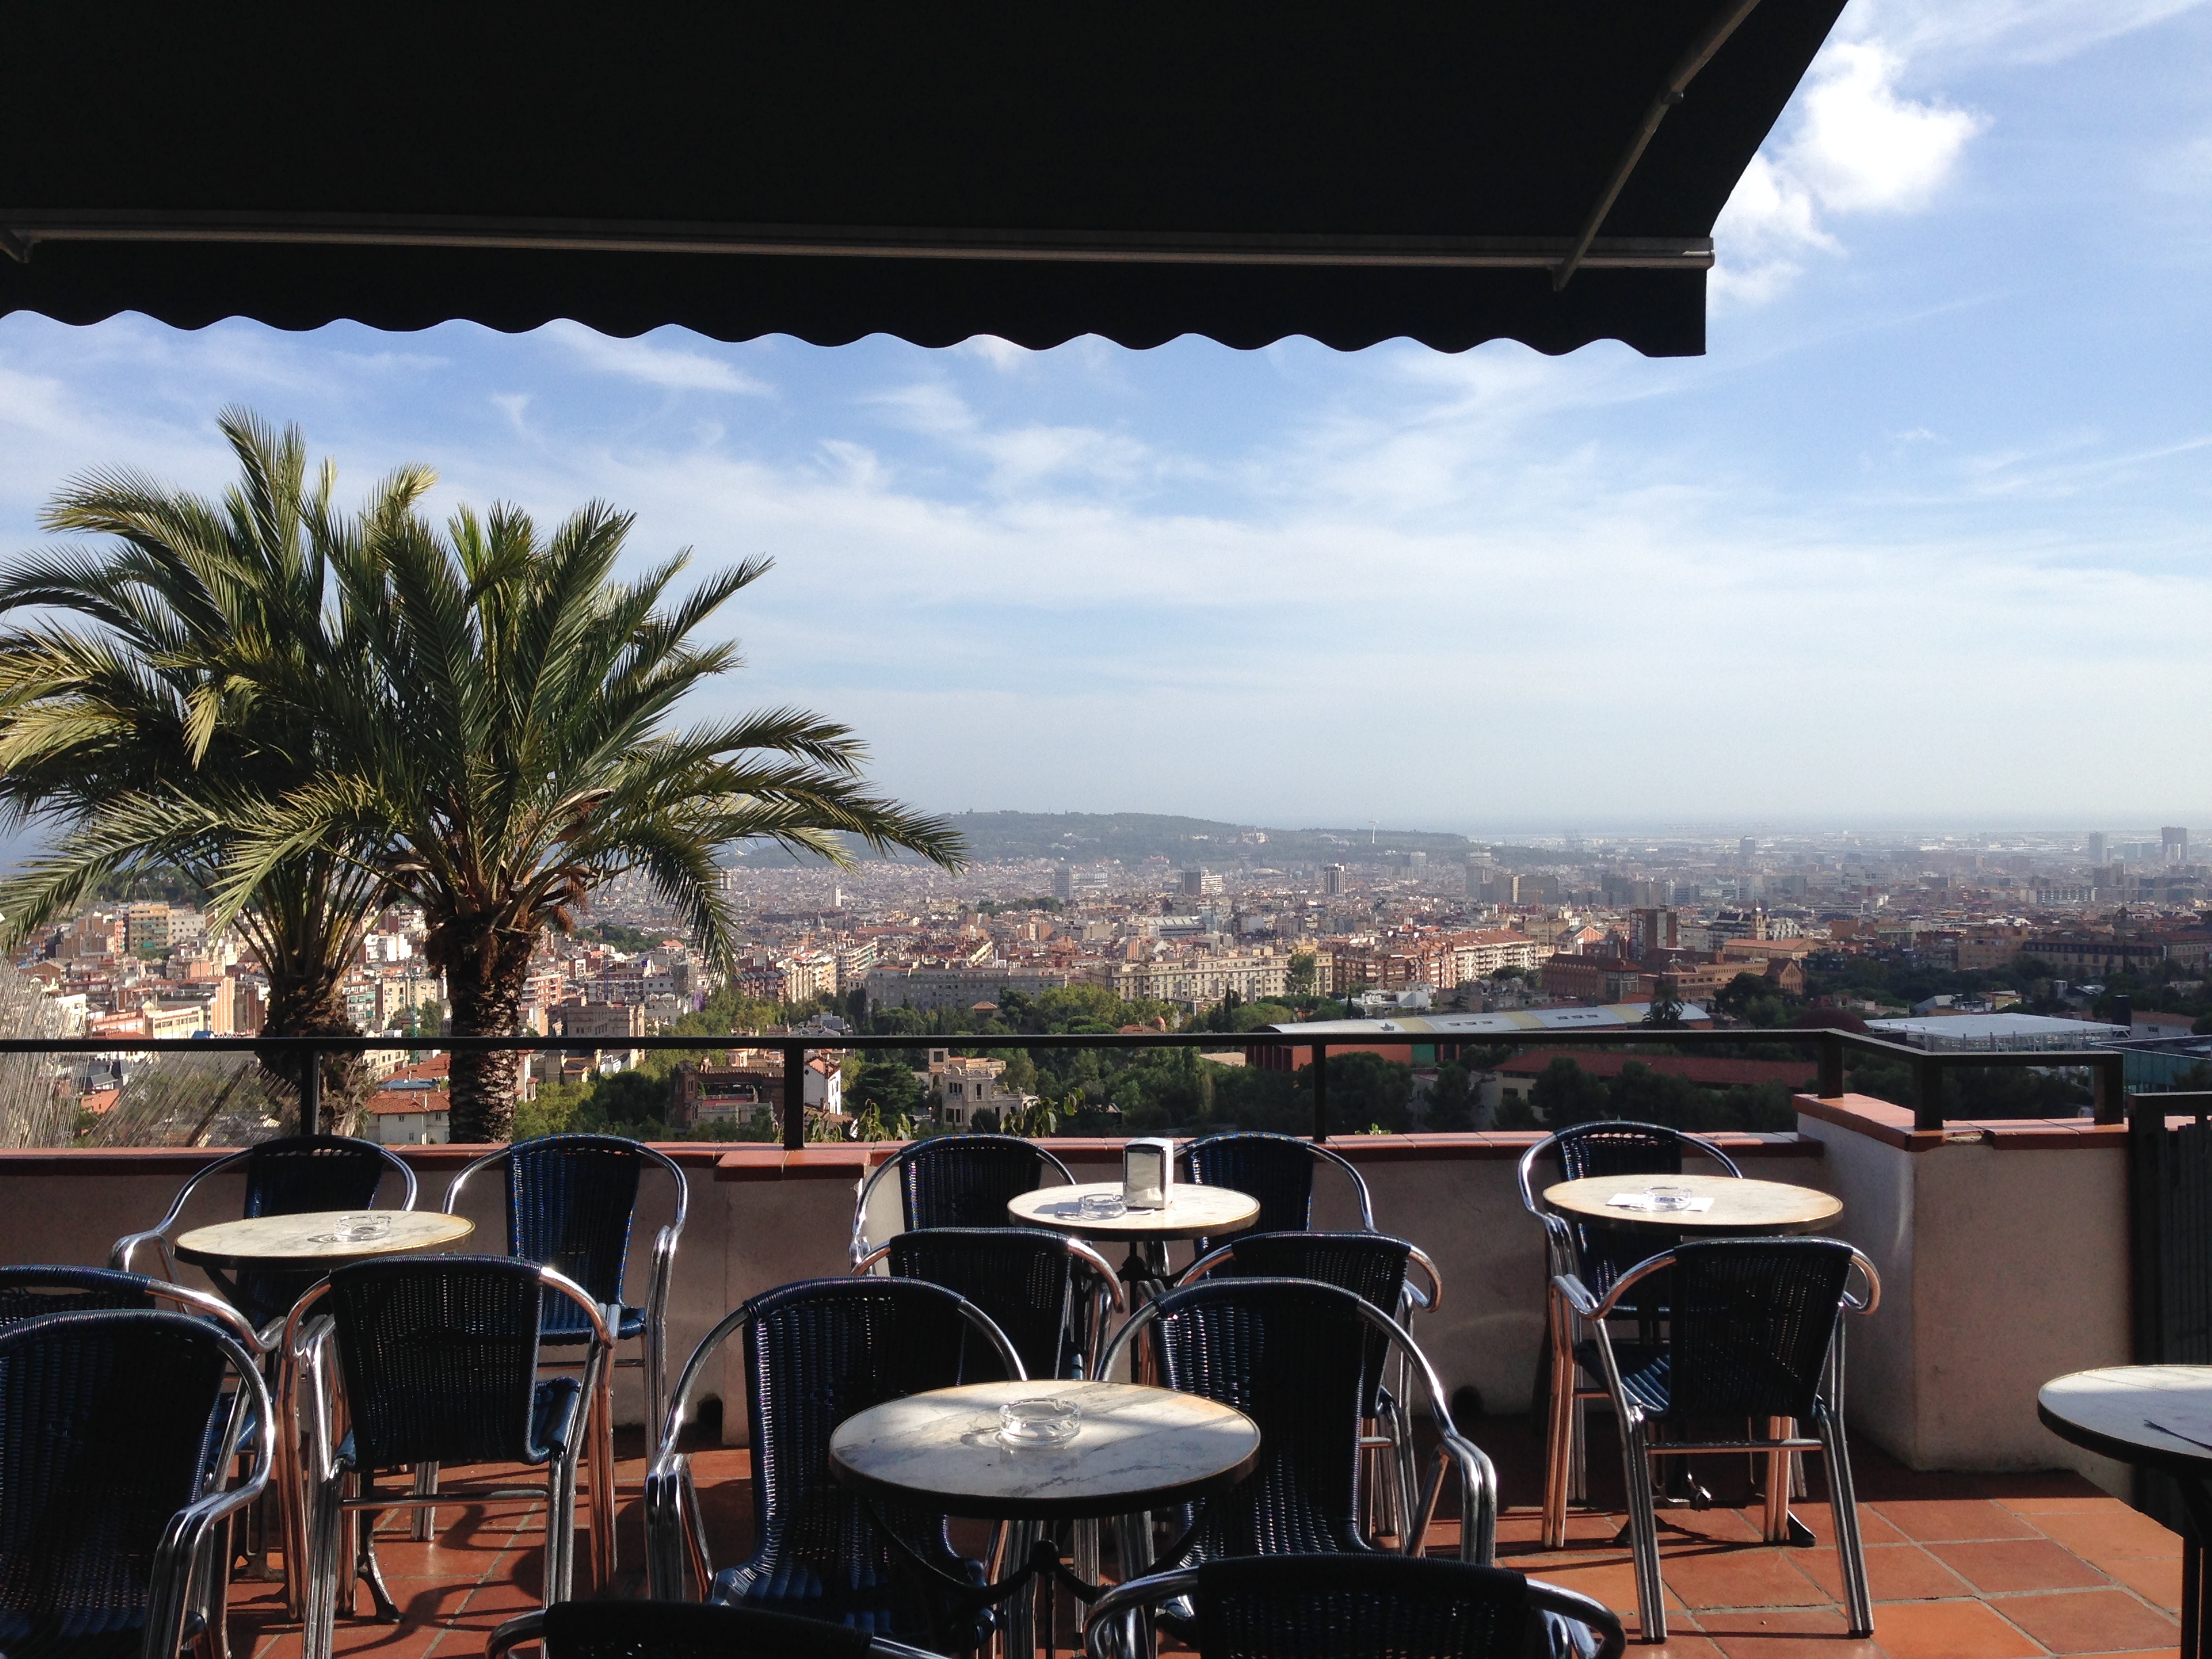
(515, 752)
(176, 688)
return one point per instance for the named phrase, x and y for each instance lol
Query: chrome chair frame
(1319, 1153)
(1777, 1447)
(1566, 1431)
(1106, 1294)
(1116, 1607)
(324, 1507)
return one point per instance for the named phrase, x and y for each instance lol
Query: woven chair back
(693, 1630)
(33, 1292)
(440, 1357)
(1613, 1149)
(1383, 1607)
(1371, 1266)
(1291, 1354)
(967, 1180)
(295, 1175)
(107, 1425)
(1024, 1279)
(1277, 1170)
(1750, 1325)
(570, 1201)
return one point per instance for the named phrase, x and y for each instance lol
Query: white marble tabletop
(1137, 1449)
(310, 1239)
(1192, 1211)
(1738, 1206)
(2158, 1415)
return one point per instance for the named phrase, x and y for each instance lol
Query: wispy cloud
(674, 369)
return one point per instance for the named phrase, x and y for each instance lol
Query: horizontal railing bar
(873, 1042)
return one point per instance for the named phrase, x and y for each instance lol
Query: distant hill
(1133, 837)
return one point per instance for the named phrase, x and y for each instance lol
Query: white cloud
(1002, 355)
(1857, 146)
(655, 365)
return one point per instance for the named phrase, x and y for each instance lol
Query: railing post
(1321, 1090)
(794, 1097)
(311, 1093)
(1926, 1093)
(2108, 1082)
(1831, 1085)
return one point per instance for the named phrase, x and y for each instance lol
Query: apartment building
(1197, 978)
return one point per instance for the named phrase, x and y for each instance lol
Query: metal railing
(1928, 1069)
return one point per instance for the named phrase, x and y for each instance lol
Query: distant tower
(1332, 879)
(1194, 882)
(2173, 844)
(2096, 847)
(1747, 848)
(1063, 884)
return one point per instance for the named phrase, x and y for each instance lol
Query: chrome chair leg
(1843, 1503)
(1644, 1531)
(424, 1527)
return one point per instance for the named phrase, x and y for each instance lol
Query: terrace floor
(1962, 1566)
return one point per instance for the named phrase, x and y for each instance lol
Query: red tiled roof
(387, 1101)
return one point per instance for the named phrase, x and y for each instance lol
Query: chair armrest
(1478, 1500)
(119, 1257)
(1576, 1295)
(677, 1567)
(524, 1630)
(179, 1553)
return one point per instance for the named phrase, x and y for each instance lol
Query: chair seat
(867, 1596)
(1643, 1372)
(554, 1417)
(563, 1325)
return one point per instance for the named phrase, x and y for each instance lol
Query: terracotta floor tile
(1752, 1577)
(1873, 1528)
(1953, 1520)
(1715, 1525)
(2090, 1621)
(1950, 1629)
(1784, 1633)
(1895, 1572)
(2115, 1534)
(2090, 1501)
(2019, 1563)
(2157, 1581)
(1612, 1584)
(1584, 1526)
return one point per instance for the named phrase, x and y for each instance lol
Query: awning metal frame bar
(1701, 53)
(21, 230)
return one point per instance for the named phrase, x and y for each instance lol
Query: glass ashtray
(362, 1229)
(1101, 1206)
(1669, 1198)
(1039, 1422)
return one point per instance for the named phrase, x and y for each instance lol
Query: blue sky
(1922, 542)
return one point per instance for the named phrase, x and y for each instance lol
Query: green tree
(182, 672)
(1451, 1100)
(1564, 1094)
(884, 1085)
(1300, 980)
(506, 749)
(1666, 1009)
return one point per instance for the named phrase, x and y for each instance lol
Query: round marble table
(2157, 1417)
(1738, 1208)
(1191, 1212)
(1137, 1449)
(310, 1241)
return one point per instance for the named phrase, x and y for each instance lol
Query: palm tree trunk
(314, 1006)
(484, 977)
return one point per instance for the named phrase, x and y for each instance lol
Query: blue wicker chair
(957, 1180)
(438, 1360)
(676, 1630)
(110, 1490)
(815, 1354)
(1597, 1254)
(1292, 1354)
(570, 1203)
(1373, 1267)
(1277, 1170)
(1753, 1331)
(291, 1175)
(1051, 1294)
(1361, 1607)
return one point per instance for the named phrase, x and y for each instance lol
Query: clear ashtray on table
(1040, 1421)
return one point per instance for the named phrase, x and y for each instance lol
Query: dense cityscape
(1107, 923)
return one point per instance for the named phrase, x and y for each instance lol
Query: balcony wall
(2002, 1250)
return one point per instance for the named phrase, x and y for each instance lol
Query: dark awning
(1245, 169)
